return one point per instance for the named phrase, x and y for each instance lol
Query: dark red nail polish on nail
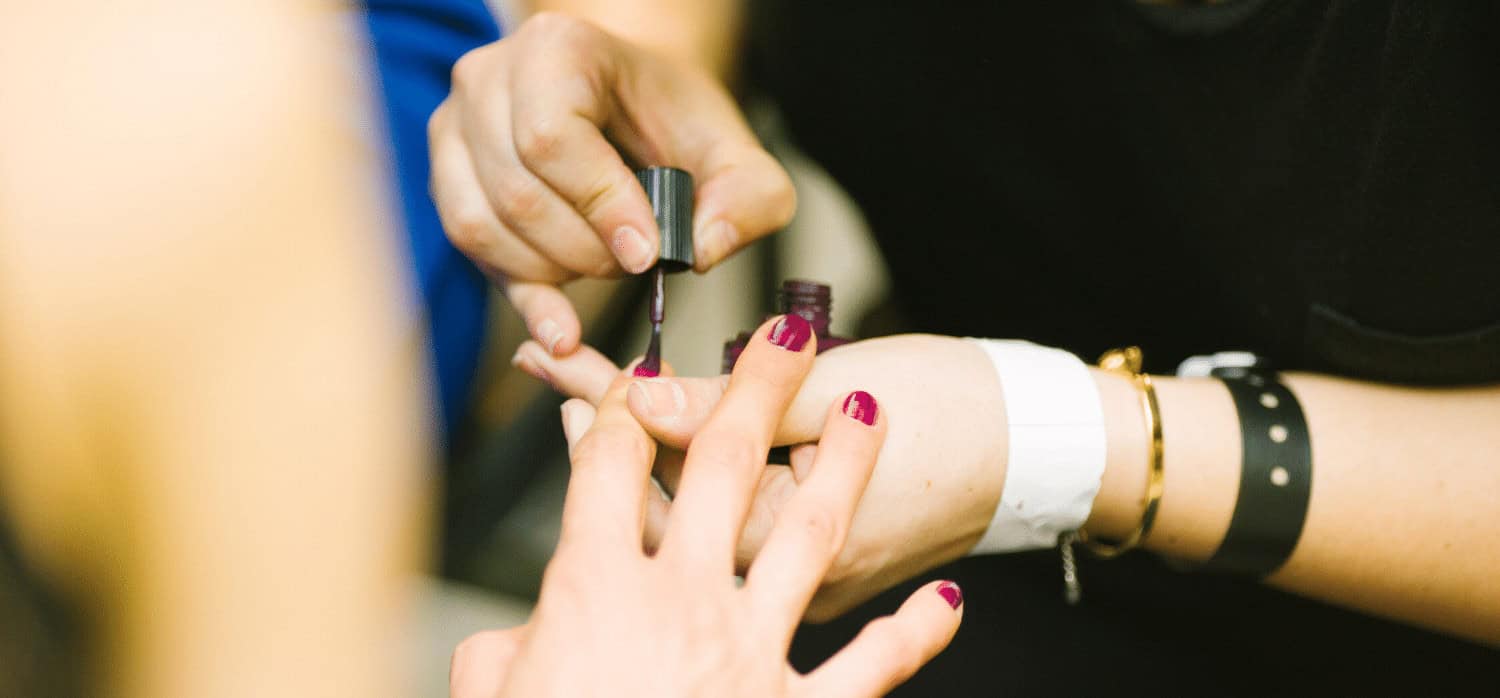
(861, 405)
(951, 593)
(644, 371)
(791, 333)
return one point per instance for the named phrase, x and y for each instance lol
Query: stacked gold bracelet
(1129, 361)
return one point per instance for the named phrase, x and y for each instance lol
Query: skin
(614, 620)
(1403, 477)
(1383, 454)
(212, 431)
(559, 91)
(229, 479)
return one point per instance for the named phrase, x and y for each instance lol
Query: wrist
(1200, 433)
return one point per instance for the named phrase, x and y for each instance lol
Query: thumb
(745, 195)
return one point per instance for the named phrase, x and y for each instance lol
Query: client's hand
(934, 489)
(612, 620)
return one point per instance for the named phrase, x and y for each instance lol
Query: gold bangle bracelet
(1130, 360)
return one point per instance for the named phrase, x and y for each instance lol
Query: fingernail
(661, 397)
(644, 371)
(952, 594)
(791, 332)
(549, 333)
(860, 405)
(719, 239)
(633, 249)
(525, 363)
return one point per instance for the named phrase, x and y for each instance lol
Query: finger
(467, 216)
(481, 661)
(603, 509)
(525, 277)
(745, 195)
(559, 108)
(889, 650)
(523, 202)
(810, 532)
(673, 409)
(549, 315)
(585, 373)
(577, 417)
(802, 457)
(727, 456)
(658, 508)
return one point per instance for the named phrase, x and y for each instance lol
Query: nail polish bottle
(809, 299)
(670, 192)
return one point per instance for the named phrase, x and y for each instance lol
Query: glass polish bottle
(812, 301)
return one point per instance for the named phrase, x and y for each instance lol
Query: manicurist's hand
(933, 491)
(530, 173)
(613, 620)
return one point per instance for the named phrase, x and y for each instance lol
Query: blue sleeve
(416, 43)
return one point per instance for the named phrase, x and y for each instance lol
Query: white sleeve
(1056, 447)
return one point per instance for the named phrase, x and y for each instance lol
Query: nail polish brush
(670, 191)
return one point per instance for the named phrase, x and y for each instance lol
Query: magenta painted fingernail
(861, 405)
(951, 593)
(791, 333)
(644, 371)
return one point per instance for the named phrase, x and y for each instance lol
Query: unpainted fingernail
(549, 334)
(633, 249)
(791, 332)
(861, 405)
(951, 593)
(525, 363)
(661, 397)
(570, 418)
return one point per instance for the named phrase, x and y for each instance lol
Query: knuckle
(822, 527)
(437, 121)
(558, 27)
(597, 196)
(468, 71)
(522, 199)
(539, 138)
(606, 445)
(470, 232)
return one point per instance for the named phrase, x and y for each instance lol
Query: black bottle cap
(671, 193)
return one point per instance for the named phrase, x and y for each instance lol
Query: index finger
(605, 504)
(726, 458)
(560, 107)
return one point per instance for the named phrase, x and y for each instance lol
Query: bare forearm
(1405, 494)
(705, 32)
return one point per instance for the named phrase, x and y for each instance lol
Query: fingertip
(718, 239)
(525, 359)
(951, 595)
(634, 247)
(861, 407)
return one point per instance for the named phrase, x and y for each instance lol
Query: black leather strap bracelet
(1275, 478)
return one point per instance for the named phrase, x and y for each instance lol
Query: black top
(1318, 182)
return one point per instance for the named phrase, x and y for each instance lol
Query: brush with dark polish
(670, 191)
